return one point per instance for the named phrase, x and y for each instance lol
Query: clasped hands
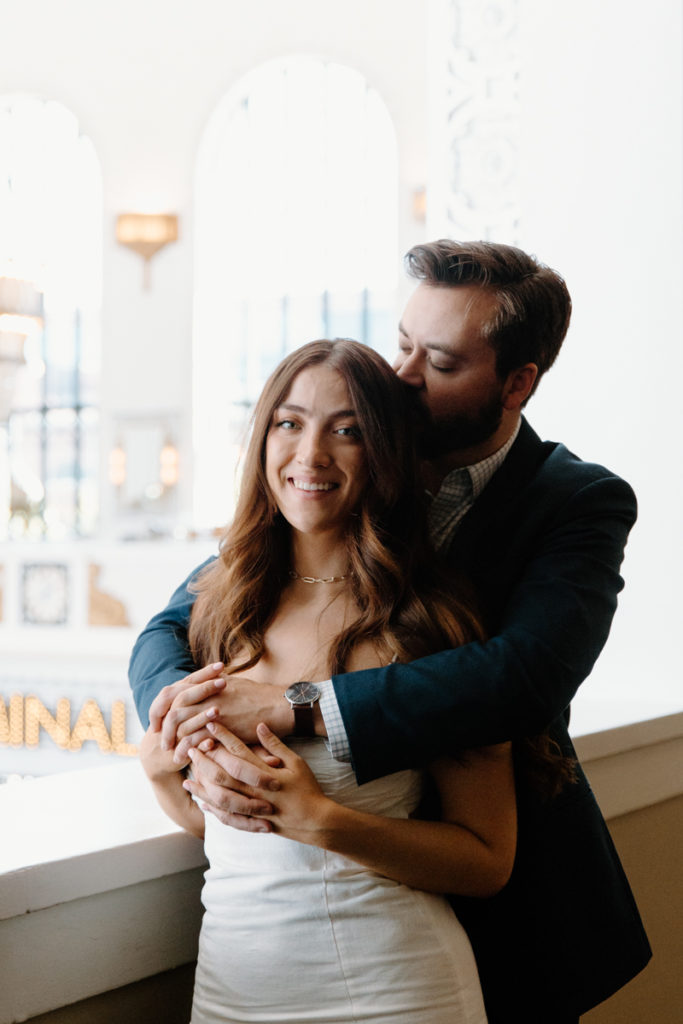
(234, 777)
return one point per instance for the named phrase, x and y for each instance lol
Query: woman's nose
(312, 450)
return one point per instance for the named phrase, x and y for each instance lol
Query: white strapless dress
(294, 933)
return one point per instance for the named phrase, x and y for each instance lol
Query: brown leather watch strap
(304, 722)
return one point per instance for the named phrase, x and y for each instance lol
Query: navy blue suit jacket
(542, 547)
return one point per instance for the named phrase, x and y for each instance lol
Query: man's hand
(242, 703)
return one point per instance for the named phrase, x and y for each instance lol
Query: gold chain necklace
(317, 579)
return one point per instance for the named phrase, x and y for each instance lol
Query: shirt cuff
(336, 733)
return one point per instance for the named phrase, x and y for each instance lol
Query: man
(539, 536)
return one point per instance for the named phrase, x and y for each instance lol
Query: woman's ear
(518, 386)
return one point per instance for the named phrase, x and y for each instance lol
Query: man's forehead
(440, 309)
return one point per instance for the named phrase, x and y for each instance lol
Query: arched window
(296, 239)
(50, 242)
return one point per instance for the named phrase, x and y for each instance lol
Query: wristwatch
(302, 697)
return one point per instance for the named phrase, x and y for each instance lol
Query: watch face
(303, 693)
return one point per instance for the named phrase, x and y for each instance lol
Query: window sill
(93, 873)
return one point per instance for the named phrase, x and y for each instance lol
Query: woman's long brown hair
(401, 608)
(405, 606)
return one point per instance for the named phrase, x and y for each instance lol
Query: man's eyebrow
(433, 346)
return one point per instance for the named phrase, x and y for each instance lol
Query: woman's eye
(286, 424)
(349, 431)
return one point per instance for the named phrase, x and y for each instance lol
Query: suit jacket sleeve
(557, 549)
(161, 654)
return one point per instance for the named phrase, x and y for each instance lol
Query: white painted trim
(634, 766)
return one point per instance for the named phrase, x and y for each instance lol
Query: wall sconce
(21, 308)
(21, 314)
(169, 464)
(117, 465)
(146, 234)
(420, 204)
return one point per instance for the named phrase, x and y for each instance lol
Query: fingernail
(211, 726)
(217, 665)
(212, 712)
(186, 785)
(192, 753)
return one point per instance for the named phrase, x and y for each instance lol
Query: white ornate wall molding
(474, 131)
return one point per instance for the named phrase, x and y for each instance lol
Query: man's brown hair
(533, 303)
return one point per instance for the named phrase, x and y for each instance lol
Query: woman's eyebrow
(292, 407)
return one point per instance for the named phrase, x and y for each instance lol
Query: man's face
(442, 353)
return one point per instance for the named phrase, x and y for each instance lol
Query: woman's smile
(311, 485)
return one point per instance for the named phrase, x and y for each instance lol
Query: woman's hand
(173, 704)
(158, 762)
(292, 802)
(190, 700)
(164, 774)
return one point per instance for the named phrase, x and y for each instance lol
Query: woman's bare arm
(167, 781)
(469, 852)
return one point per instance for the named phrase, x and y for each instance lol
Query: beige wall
(650, 844)
(166, 997)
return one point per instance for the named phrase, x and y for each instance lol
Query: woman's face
(315, 457)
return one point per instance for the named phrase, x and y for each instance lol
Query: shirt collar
(480, 473)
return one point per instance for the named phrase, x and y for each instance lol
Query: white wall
(602, 201)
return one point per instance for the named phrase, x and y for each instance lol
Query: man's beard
(458, 432)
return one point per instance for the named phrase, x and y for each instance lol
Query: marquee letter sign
(23, 717)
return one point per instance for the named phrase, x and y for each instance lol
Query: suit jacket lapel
(519, 468)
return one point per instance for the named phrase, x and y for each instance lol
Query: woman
(335, 916)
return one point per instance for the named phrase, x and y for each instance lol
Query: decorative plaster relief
(473, 188)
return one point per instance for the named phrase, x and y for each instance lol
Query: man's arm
(161, 655)
(553, 626)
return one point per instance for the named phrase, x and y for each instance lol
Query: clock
(45, 594)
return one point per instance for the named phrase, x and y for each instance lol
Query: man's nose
(411, 370)
(312, 450)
